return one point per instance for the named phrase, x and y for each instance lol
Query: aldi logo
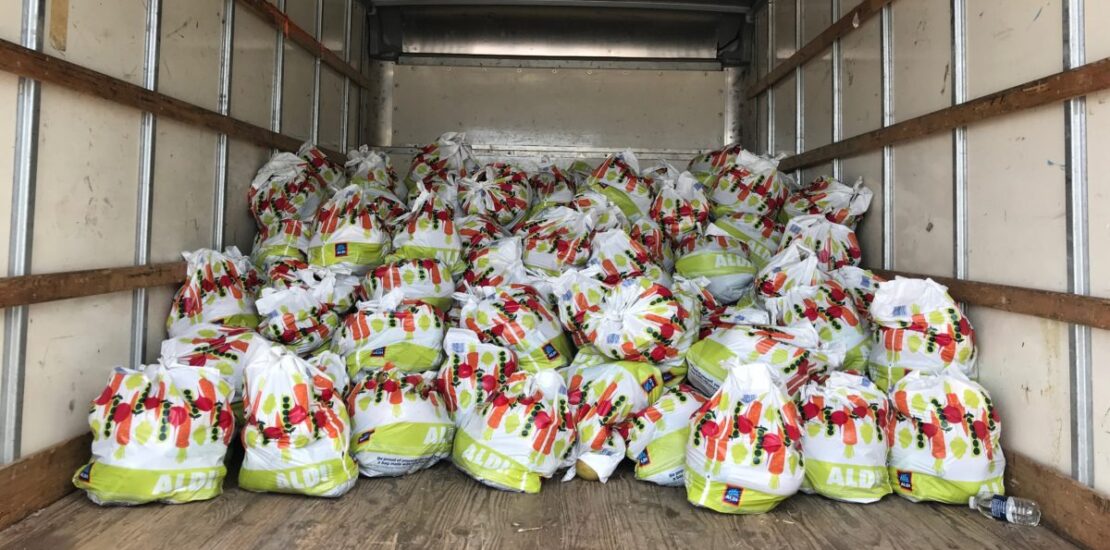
(905, 480)
(643, 458)
(649, 384)
(86, 473)
(732, 495)
(379, 352)
(550, 351)
(340, 249)
(364, 437)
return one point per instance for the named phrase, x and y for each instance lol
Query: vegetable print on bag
(618, 179)
(160, 434)
(835, 245)
(426, 280)
(450, 154)
(638, 321)
(498, 190)
(213, 293)
(839, 203)
(656, 436)
(391, 331)
(474, 372)
(428, 231)
(347, 233)
(226, 349)
(287, 187)
(680, 207)
(749, 183)
(518, 318)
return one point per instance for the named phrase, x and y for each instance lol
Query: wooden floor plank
(443, 508)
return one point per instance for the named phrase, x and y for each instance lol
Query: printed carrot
(183, 431)
(848, 432)
(498, 413)
(300, 395)
(937, 439)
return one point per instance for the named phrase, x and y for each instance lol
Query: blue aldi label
(905, 480)
(340, 249)
(379, 352)
(86, 473)
(643, 458)
(732, 495)
(649, 384)
(550, 351)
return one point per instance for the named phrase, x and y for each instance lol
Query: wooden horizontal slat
(1084, 80)
(52, 70)
(1068, 507)
(34, 289)
(1058, 306)
(304, 39)
(851, 20)
(38, 480)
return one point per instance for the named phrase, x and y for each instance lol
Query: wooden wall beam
(1068, 507)
(51, 70)
(851, 20)
(34, 289)
(1080, 81)
(1058, 306)
(304, 39)
(38, 480)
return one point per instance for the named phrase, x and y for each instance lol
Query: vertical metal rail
(25, 167)
(318, 33)
(1079, 338)
(145, 202)
(344, 130)
(279, 76)
(886, 22)
(837, 99)
(799, 102)
(223, 106)
(959, 140)
(771, 58)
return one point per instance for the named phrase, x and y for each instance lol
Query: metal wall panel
(760, 41)
(239, 226)
(861, 81)
(922, 34)
(785, 116)
(1098, 219)
(923, 232)
(816, 17)
(104, 35)
(870, 230)
(181, 214)
(1012, 41)
(252, 70)
(1023, 363)
(573, 107)
(335, 18)
(302, 12)
(189, 56)
(331, 108)
(760, 145)
(847, 6)
(297, 100)
(817, 99)
(783, 14)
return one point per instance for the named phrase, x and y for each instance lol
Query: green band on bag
(360, 254)
(317, 479)
(485, 464)
(918, 486)
(708, 356)
(412, 439)
(451, 257)
(885, 376)
(727, 499)
(851, 482)
(242, 320)
(619, 198)
(406, 356)
(856, 358)
(662, 455)
(552, 355)
(712, 264)
(110, 484)
(279, 251)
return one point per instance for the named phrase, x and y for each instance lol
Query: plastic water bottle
(1014, 510)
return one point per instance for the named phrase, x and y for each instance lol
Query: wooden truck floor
(442, 508)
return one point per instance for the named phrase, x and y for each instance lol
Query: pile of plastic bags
(710, 325)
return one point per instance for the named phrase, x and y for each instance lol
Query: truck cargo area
(873, 226)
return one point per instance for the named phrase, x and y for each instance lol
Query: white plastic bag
(426, 280)
(835, 245)
(474, 372)
(213, 293)
(428, 231)
(639, 320)
(286, 187)
(839, 203)
(371, 169)
(226, 349)
(499, 191)
(450, 154)
(296, 317)
(518, 318)
(347, 233)
(680, 207)
(556, 239)
(281, 240)
(619, 257)
(618, 179)
(760, 233)
(749, 183)
(721, 259)
(388, 331)
(656, 436)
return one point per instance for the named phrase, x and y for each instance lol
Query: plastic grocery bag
(334, 367)
(499, 191)
(332, 174)
(731, 316)
(680, 207)
(639, 320)
(428, 231)
(579, 294)
(476, 232)
(651, 237)
(280, 241)
(839, 203)
(519, 436)
(450, 154)
(618, 179)
(347, 233)
(658, 172)
(226, 349)
(835, 245)
(518, 318)
(398, 424)
(556, 239)
(619, 257)
(371, 169)
(849, 429)
(426, 280)
(656, 436)
(474, 372)
(297, 433)
(919, 327)
(946, 446)
(761, 234)
(861, 284)
(744, 454)
(795, 266)
(252, 277)
(335, 287)
(296, 317)
(388, 330)
(710, 164)
(750, 183)
(286, 187)
(721, 259)
(793, 354)
(500, 263)
(285, 273)
(159, 435)
(602, 397)
(551, 186)
(605, 213)
(213, 293)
